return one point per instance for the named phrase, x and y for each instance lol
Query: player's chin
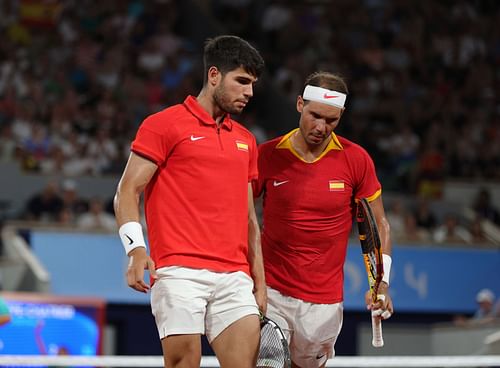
(241, 105)
(236, 109)
(316, 140)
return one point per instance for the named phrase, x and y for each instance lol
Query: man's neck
(309, 153)
(206, 101)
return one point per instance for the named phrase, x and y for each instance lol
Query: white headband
(323, 95)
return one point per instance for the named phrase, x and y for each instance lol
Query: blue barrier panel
(86, 265)
(429, 279)
(423, 279)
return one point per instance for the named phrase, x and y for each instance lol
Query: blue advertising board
(423, 279)
(429, 279)
(50, 325)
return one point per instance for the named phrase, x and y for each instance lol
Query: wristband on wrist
(131, 236)
(387, 261)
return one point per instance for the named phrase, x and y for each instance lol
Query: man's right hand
(139, 260)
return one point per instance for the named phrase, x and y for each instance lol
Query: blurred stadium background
(78, 77)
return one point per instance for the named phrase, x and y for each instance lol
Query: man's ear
(213, 76)
(341, 112)
(300, 104)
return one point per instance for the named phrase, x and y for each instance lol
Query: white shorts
(198, 301)
(311, 329)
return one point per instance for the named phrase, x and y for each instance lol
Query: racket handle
(377, 340)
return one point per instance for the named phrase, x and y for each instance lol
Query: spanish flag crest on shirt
(336, 185)
(242, 146)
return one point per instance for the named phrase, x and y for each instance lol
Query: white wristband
(131, 236)
(387, 261)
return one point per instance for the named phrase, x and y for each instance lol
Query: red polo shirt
(197, 202)
(308, 215)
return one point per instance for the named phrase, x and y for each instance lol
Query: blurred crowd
(428, 222)
(77, 77)
(61, 204)
(423, 76)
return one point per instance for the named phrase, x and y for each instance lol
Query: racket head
(273, 349)
(370, 245)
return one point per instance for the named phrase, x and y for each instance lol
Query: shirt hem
(305, 297)
(214, 266)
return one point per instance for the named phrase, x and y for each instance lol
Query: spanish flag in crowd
(39, 13)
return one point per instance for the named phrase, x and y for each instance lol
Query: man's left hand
(383, 307)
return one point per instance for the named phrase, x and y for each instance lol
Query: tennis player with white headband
(323, 95)
(310, 179)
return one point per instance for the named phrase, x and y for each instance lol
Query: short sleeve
(258, 183)
(253, 171)
(368, 185)
(151, 140)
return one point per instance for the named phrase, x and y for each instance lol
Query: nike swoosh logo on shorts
(193, 138)
(278, 183)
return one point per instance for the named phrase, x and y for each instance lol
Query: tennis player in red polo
(310, 179)
(195, 165)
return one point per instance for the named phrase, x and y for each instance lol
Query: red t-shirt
(197, 202)
(308, 215)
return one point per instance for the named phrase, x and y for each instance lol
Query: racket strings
(272, 350)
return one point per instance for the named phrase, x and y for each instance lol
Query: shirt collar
(197, 110)
(285, 143)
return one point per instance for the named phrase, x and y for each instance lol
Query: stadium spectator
(430, 170)
(54, 163)
(8, 144)
(37, 145)
(72, 200)
(484, 207)
(424, 215)
(396, 215)
(45, 205)
(96, 218)
(451, 232)
(485, 300)
(478, 236)
(102, 150)
(413, 233)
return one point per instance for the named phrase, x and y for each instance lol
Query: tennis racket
(273, 351)
(372, 256)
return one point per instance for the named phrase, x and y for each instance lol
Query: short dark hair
(327, 80)
(228, 53)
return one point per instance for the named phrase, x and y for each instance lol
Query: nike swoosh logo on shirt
(193, 138)
(278, 183)
(320, 356)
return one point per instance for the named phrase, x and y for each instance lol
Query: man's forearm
(255, 258)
